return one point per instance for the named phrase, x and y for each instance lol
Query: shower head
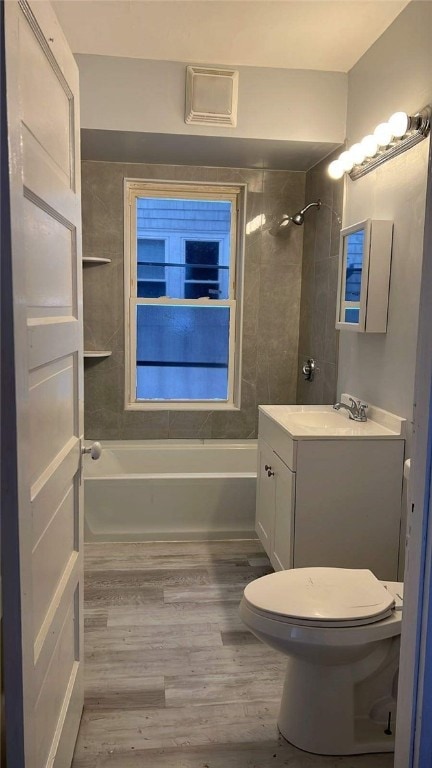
(282, 224)
(298, 218)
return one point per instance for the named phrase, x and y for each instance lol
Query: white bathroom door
(44, 702)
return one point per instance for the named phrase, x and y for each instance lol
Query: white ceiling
(294, 34)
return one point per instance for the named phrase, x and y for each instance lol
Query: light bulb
(399, 124)
(357, 154)
(346, 160)
(383, 134)
(336, 170)
(369, 145)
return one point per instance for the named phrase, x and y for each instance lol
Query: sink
(322, 421)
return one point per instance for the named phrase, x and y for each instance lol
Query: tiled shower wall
(273, 267)
(318, 337)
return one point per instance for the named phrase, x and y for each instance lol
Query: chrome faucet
(356, 409)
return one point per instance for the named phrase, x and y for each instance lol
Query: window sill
(178, 406)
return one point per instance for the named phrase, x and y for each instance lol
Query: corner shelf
(97, 353)
(95, 260)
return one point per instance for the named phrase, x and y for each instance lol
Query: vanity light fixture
(389, 139)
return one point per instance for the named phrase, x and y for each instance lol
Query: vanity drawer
(279, 440)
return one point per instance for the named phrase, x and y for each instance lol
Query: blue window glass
(354, 245)
(182, 352)
(151, 276)
(191, 238)
(202, 270)
(183, 253)
(352, 315)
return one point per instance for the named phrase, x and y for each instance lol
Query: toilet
(340, 631)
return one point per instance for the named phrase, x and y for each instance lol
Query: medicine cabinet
(364, 276)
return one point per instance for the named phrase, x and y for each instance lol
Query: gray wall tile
(272, 286)
(137, 425)
(183, 424)
(318, 337)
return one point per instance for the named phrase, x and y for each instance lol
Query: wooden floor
(173, 678)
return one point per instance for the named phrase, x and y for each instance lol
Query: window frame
(234, 193)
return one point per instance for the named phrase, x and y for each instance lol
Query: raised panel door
(283, 530)
(265, 510)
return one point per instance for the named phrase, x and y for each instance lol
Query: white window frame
(234, 193)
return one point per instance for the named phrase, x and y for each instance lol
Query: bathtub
(153, 490)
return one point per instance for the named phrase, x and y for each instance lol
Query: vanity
(329, 488)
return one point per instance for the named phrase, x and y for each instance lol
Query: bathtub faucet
(356, 409)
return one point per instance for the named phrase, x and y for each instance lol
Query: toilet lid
(321, 595)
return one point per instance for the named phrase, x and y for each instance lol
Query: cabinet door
(349, 515)
(265, 509)
(283, 529)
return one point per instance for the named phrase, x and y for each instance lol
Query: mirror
(354, 243)
(364, 272)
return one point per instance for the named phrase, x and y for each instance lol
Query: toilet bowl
(340, 630)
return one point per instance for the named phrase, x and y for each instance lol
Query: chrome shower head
(282, 224)
(298, 218)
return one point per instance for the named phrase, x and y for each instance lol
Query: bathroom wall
(120, 94)
(394, 74)
(271, 304)
(318, 337)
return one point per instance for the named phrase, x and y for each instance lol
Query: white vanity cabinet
(329, 502)
(275, 501)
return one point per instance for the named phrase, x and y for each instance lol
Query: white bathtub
(153, 490)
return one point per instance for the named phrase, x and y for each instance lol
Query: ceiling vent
(211, 96)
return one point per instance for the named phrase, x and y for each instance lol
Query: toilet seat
(322, 597)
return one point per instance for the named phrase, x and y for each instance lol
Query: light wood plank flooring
(173, 678)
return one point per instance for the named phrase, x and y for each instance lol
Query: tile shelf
(97, 353)
(95, 260)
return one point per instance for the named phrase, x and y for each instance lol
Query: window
(183, 275)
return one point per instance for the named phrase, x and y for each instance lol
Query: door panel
(43, 116)
(51, 554)
(265, 497)
(283, 537)
(61, 671)
(50, 253)
(51, 412)
(47, 101)
(58, 477)
(42, 175)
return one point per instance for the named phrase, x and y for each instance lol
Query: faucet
(356, 409)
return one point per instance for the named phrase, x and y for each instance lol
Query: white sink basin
(322, 421)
